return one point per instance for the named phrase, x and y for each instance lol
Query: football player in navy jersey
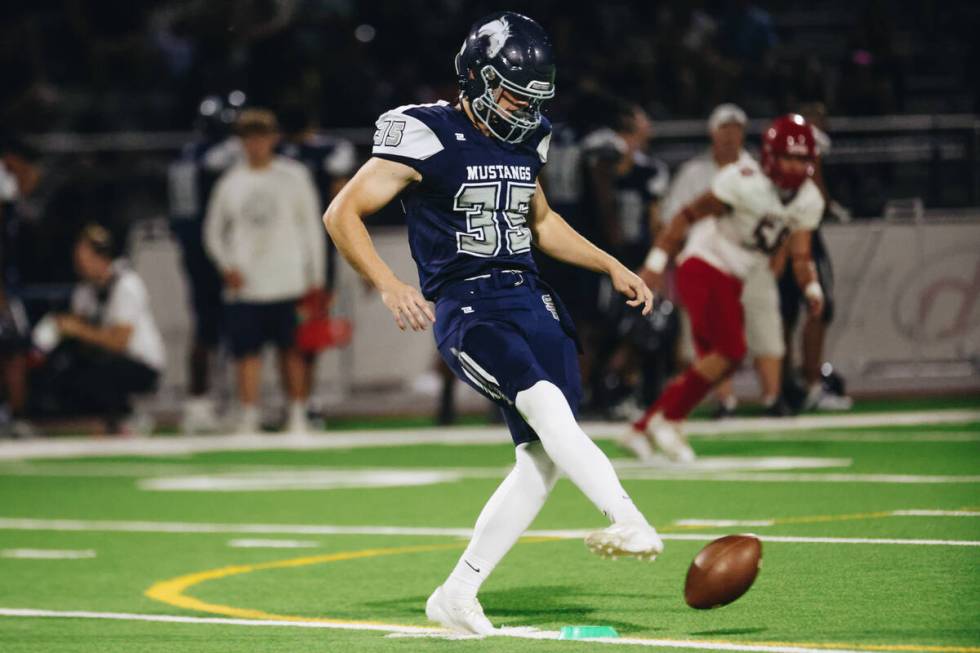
(467, 176)
(191, 178)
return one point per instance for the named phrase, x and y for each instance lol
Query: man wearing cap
(108, 347)
(760, 299)
(262, 231)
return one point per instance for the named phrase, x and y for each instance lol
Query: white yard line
(47, 554)
(272, 544)
(75, 447)
(877, 437)
(300, 529)
(520, 633)
(936, 513)
(724, 523)
(783, 477)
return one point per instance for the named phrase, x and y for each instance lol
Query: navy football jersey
(645, 183)
(326, 157)
(192, 177)
(469, 213)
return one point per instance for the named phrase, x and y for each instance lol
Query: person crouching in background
(108, 347)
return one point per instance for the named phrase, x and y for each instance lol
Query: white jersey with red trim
(758, 222)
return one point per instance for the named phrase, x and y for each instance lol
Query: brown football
(723, 571)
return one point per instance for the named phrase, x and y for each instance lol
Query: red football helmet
(789, 135)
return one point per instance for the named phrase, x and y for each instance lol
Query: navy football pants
(503, 333)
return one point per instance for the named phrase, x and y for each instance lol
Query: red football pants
(713, 300)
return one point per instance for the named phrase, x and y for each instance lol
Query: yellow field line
(172, 591)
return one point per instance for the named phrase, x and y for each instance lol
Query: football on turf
(723, 571)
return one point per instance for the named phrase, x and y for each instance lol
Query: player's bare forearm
(348, 232)
(558, 239)
(375, 184)
(113, 338)
(672, 237)
(805, 271)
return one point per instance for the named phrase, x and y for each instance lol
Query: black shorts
(791, 296)
(252, 325)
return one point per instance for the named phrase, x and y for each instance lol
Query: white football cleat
(638, 444)
(298, 424)
(626, 538)
(199, 416)
(668, 437)
(460, 615)
(248, 420)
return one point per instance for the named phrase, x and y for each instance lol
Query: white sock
(249, 418)
(730, 402)
(545, 408)
(770, 401)
(508, 513)
(297, 410)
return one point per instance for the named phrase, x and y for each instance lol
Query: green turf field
(871, 543)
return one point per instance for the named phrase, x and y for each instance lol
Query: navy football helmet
(506, 52)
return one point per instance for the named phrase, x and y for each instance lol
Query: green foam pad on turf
(587, 632)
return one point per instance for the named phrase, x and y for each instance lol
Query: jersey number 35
(481, 205)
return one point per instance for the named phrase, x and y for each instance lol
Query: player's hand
(233, 279)
(628, 284)
(653, 280)
(407, 305)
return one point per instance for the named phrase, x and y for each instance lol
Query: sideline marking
(47, 554)
(74, 447)
(522, 633)
(299, 529)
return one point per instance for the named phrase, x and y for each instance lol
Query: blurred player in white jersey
(757, 207)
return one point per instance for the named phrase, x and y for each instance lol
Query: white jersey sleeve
(729, 184)
(808, 207)
(402, 135)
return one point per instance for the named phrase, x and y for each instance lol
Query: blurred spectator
(726, 126)
(622, 191)
(819, 393)
(13, 326)
(330, 162)
(110, 348)
(191, 179)
(264, 234)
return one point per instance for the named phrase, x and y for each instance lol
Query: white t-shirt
(266, 224)
(127, 304)
(758, 223)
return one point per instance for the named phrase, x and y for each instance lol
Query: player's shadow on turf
(728, 631)
(556, 603)
(530, 606)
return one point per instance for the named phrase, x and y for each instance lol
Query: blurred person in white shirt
(263, 233)
(760, 297)
(108, 347)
